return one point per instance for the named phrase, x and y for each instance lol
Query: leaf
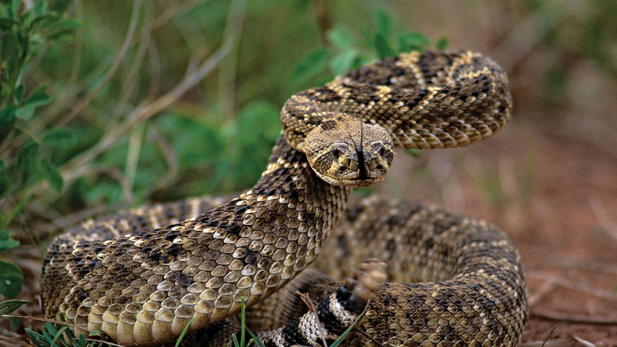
(310, 66)
(6, 242)
(52, 175)
(7, 23)
(57, 335)
(60, 138)
(26, 161)
(38, 97)
(413, 152)
(1, 164)
(67, 24)
(7, 180)
(382, 47)
(7, 119)
(40, 7)
(25, 112)
(383, 23)
(412, 41)
(442, 43)
(10, 306)
(19, 93)
(343, 62)
(11, 280)
(340, 37)
(15, 6)
(7, 220)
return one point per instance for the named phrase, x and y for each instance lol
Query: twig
(609, 269)
(528, 34)
(607, 295)
(154, 69)
(125, 48)
(128, 84)
(369, 337)
(170, 157)
(132, 157)
(602, 216)
(141, 113)
(573, 319)
(584, 342)
(548, 336)
(551, 343)
(546, 288)
(227, 71)
(309, 303)
(79, 35)
(38, 319)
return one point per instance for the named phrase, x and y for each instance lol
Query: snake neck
(145, 287)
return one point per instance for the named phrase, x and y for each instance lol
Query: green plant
(345, 52)
(23, 34)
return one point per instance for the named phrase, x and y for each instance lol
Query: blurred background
(112, 104)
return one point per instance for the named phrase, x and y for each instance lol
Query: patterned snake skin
(141, 280)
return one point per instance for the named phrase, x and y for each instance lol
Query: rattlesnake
(143, 287)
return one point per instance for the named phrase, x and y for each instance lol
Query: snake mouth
(352, 182)
(364, 182)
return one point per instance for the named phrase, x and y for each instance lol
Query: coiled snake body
(142, 287)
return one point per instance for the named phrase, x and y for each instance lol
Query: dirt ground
(555, 197)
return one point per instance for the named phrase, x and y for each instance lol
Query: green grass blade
(186, 329)
(344, 335)
(242, 323)
(256, 339)
(58, 334)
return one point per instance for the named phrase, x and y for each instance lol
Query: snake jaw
(346, 152)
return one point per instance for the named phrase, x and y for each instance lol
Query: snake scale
(142, 276)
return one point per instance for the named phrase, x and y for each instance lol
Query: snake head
(344, 151)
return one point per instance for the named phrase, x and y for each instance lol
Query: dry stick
(79, 35)
(551, 343)
(144, 112)
(546, 288)
(607, 295)
(71, 95)
(309, 303)
(125, 48)
(603, 268)
(602, 216)
(548, 336)
(369, 337)
(154, 70)
(227, 70)
(573, 319)
(128, 83)
(132, 158)
(191, 78)
(170, 157)
(169, 13)
(527, 35)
